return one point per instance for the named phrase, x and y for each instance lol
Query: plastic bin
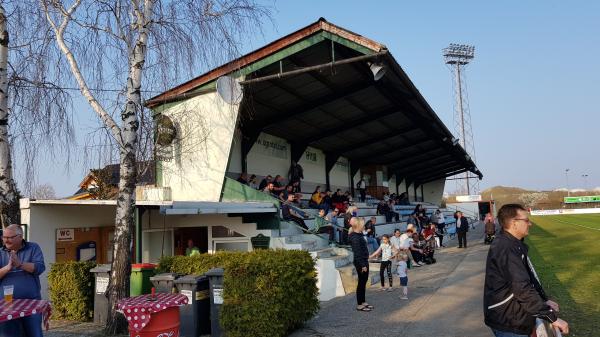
(140, 278)
(165, 282)
(195, 316)
(101, 278)
(215, 279)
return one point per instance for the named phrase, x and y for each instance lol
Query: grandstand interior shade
(340, 108)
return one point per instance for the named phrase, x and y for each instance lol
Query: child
(402, 272)
(385, 249)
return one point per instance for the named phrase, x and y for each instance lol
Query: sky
(533, 87)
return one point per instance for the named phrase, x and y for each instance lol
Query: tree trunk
(121, 266)
(8, 193)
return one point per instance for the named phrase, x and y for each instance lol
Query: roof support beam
(330, 160)
(376, 139)
(297, 150)
(440, 176)
(402, 155)
(428, 168)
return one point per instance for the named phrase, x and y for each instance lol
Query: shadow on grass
(568, 268)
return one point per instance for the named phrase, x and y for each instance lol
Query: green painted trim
(347, 43)
(158, 173)
(138, 235)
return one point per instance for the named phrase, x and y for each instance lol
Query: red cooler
(153, 316)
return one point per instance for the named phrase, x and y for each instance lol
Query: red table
(138, 309)
(23, 307)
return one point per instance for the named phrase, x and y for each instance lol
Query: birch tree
(140, 46)
(32, 107)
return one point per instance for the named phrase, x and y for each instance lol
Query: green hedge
(71, 287)
(266, 292)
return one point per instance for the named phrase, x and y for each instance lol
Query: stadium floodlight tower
(457, 56)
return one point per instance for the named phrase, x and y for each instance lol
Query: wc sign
(65, 234)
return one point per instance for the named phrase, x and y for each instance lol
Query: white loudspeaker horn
(229, 89)
(378, 70)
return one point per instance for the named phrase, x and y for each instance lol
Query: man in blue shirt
(21, 264)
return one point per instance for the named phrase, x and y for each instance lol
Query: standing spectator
(263, 183)
(347, 225)
(462, 227)
(288, 214)
(252, 182)
(386, 261)
(362, 189)
(490, 228)
(191, 249)
(513, 296)
(316, 198)
(295, 176)
(22, 263)
(440, 221)
(361, 262)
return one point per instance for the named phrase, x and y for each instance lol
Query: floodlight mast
(457, 56)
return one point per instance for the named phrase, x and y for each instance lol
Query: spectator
(278, 183)
(462, 227)
(252, 182)
(263, 183)
(382, 208)
(416, 250)
(287, 191)
(332, 217)
(338, 201)
(191, 249)
(361, 262)
(347, 225)
(404, 199)
(348, 197)
(406, 241)
(22, 264)
(395, 240)
(440, 221)
(369, 233)
(391, 214)
(326, 201)
(386, 261)
(386, 197)
(270, 188)
(322, 226)
(490, 228)
(295, 175)
(361, 186)
(421, 215)
(243, 179)
(316, 198)
(289, 214)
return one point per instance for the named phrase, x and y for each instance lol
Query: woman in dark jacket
(361, 262)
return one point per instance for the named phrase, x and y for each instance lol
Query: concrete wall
(269, 155)
(313, 164)
(44, 220)
(434, 191)
(402, 187)
(235, 158)
(200, 154)
(392, 185)
(340, 175)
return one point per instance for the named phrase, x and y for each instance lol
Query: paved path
(445, 300)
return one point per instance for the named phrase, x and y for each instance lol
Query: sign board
(65, 234)
(101, 285)
(468, 198)
(218, 295)
(589, 198)
(566, 211)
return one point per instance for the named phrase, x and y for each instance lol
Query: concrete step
(350, 278)
(340, 260)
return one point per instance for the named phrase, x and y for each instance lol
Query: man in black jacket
(462, 227)
(513, 295)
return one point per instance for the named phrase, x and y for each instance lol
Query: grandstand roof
(340, 108)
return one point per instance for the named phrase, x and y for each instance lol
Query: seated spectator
(326, 201)
(288, 214)
(278, 183)
(332, 218)
(252, 182)
(391, 214)
(243, 178)
(263, 183)
(270, 188)
(339, 201)
(316, 198)
(416, 250)
(403, 199)
(347, 216)
(414, 220)
(348, 197)
(369, 233)
(382, 208)
(386, 197)
(322, 226)
(430, 233)
(287, 191)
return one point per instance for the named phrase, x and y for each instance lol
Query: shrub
(71, 287)
(266, 292)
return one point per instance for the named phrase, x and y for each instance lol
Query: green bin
(260, 242)
(140, 278)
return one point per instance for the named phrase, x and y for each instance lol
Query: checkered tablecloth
(138, 309)
(23, 307)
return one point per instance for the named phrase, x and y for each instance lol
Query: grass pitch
(565, 250)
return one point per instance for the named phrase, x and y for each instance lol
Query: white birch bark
(7, 185)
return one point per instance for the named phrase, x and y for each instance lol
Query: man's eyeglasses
(526, 220)
(9, 237)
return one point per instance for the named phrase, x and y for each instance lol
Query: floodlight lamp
(455, 141)
(378, 70)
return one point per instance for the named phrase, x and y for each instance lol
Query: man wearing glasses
(21, 264)
(513, 295)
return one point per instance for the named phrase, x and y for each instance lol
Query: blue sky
(534, 86)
